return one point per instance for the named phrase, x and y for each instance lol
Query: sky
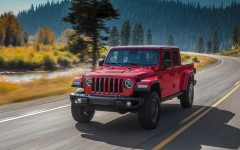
(18, 5)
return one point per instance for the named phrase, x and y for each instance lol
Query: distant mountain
(184, 21)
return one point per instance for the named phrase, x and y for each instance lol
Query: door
(177, 72)
(166, 79)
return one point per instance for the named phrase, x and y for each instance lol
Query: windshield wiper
(115, 64)
(131, 64)
(136, 64)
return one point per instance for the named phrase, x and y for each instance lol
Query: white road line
(64, 106)
(213, 67)
(33, 113)
(208, 56)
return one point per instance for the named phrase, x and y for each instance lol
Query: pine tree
(235, 35)
(113, 39)
(215, 42)
(125, 33)
(209, 46)
(170, 40)
(135, 32)
(95, 12)
(141, 35)
(199, 45)
(149, 37)
(138, 35)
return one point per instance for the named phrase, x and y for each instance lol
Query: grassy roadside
(198, 60)
(10, 93)
(234, 51)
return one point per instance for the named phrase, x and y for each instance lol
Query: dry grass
(10, 93)
(203, 61)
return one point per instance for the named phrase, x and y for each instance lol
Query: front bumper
(122, 102)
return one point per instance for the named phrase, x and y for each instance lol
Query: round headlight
(128, 83)
(88, 81)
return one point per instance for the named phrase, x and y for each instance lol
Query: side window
(165, 58)
(175, 58)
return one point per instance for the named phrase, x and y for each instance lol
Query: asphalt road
(209, 124)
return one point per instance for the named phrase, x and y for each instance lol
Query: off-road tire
(187, 97)
(81, 114)
(149, 111)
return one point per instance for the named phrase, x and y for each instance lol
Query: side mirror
(101, 61)
(167, 64)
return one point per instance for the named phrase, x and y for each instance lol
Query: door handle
(172, 74)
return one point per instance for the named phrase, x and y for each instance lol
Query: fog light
(128, 104)
(81, 100)
(78, 100)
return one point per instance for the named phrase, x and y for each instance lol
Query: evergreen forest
(184, 21)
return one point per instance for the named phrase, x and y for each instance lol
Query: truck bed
(186, 63)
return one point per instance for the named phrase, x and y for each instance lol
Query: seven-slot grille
(107, 86)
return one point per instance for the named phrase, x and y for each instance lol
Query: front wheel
(186, 98)
(82, 114)
(149, 112)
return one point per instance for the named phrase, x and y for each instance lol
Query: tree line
(213, 43)
(128, 36)
(236, 36)
(184, 21)
(218, 3)
(235, 41)
(45, 14)
(11, 33)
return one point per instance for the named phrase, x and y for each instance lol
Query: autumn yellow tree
(45, 36)
(10, 30)
(66, 35)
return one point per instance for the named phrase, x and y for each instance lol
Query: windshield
(143, 57)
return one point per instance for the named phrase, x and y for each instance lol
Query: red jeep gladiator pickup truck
(134, 79)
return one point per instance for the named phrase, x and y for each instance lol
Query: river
(28, 77)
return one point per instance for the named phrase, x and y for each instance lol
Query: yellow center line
(225, 97)
(192, 115)
(178, 132)
(237, 83)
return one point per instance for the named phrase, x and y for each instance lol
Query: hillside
(185, 21)
(49, 14)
